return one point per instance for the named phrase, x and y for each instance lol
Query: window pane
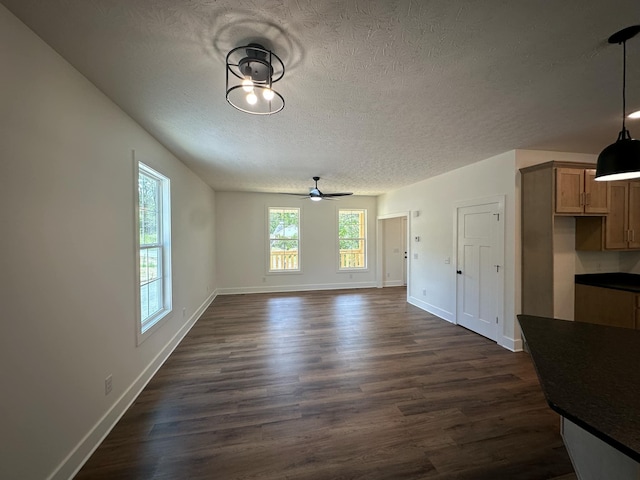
(154, 297)
(153, 265)
(357, 245)
(151, 227)
(149, 209)
(284, 234)
(148, 192)
(144, 302)
(144, 267)
(351, 260)
(154, 230)
(351, 239)
(284, 255)
(283, 223)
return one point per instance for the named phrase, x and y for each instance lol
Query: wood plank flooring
(350, 384)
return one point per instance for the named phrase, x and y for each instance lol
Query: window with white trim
(352, 239)
(154, 248)
(284, 239)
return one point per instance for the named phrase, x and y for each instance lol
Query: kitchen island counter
(590, 374)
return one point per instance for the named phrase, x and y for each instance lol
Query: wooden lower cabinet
(607, 306)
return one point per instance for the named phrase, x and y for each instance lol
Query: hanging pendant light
(254, 70)
(621, 160)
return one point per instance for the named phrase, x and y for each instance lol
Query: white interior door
(479, 269)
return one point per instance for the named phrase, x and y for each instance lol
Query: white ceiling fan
(316, 195)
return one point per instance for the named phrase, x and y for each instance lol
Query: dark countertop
(590, 374)
(618, 281)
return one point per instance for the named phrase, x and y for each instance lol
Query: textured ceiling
(379, 93)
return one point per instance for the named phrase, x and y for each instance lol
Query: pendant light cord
(624, 87)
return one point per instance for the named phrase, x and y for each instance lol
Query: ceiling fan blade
(299, 195)
(344, 194)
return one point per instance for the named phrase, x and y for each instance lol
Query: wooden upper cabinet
(634, 214)
(569, 190)
(622, 225)
(620, 228)
(617, 222)
(596, 194)
(578, 193)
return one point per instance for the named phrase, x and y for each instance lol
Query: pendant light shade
(621, 160)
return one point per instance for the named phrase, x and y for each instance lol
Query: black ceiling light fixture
(621, 160)
(251, 72)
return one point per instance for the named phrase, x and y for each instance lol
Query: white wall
(436, 198)
(67, 262)
(242, 253)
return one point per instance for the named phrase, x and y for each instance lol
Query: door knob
(459, 272)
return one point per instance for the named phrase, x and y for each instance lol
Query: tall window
(284, 239)
(352, 239)
(154, 248)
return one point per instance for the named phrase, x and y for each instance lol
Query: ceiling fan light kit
(621, 160)
(251, 71)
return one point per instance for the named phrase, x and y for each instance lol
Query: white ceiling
(379, 93)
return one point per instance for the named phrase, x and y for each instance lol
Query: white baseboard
(393, 283)
(72, 464)
(295, 288)
(513, 344)
(432, 309)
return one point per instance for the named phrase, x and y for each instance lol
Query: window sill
(159, 320)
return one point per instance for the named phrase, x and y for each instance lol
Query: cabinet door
(615, 235)
(569, 190)
(605, 306)
(596, 193)
(634, 215)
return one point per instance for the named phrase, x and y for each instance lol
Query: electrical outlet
(184, 312)
(108, 384)
(415, 256)
(424, 291)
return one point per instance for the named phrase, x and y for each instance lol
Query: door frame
(380, 247)
(500, 200)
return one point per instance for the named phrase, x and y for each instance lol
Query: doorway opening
(393, 251)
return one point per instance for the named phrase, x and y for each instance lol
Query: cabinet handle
(581, 198)
(633, 235)
(588, 201)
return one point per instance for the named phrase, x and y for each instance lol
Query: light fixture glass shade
(253, 68)
(620, 160)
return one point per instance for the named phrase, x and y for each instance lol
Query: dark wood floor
(353, 384)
